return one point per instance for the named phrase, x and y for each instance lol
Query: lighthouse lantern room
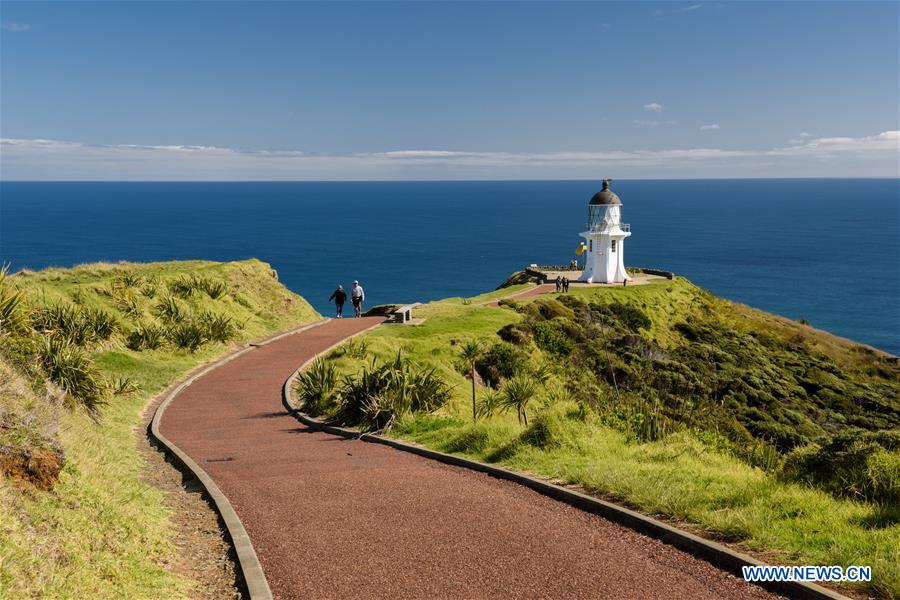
(605, 239)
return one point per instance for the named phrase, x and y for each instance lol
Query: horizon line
(498, 180)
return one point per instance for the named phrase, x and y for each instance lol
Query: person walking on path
(357, 297)
(565, 285)
(339, 296)
(558, 283)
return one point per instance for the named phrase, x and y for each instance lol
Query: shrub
(183, 287)
(170, 310)
(218, 328)
(101, 324)
(501, 361)
(77, 325)
(149, 287)
(146, 337)
(515, 333)
(546, 309)
(127, 301)
(380, 395)
(631, 316)
(853, 464)
(213, 288)
(187, 335)
(552, 337)
(70, 368)
(129, 280)
(489, 403)
(315, 386)
(517, 393)
(12, 307)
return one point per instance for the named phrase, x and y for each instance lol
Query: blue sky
(292, 90)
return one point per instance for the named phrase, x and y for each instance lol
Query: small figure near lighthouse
(605, 236)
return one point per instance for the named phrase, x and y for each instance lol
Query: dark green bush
(551, 336)
(69, 367)
(214, 289)
(546, 308)
(852, 464)
(101, 323)
(73, 323)
(315, 387)
(501, 361)
(515, 333)
(218, 328)
(380, 395)
(183, 287)
(187, 334)
(170, 310)
(146, 337)
(631, 316)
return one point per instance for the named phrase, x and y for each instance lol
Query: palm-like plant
(518, 392)
(470, 352)
(315, 386)
(491, 400)
(12, 309)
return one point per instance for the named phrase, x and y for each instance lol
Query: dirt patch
(205, 554)
(39, 468)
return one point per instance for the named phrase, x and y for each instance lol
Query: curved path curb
(716, 554)
(254, 577)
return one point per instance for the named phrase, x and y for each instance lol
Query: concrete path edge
(716, 554)
(248, 562)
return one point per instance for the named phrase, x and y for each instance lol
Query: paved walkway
(336, 518)
(538, 290)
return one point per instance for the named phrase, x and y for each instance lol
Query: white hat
(355, 282)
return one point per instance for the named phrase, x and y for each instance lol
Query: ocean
(824, 250)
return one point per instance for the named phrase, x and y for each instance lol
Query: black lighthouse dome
(605, 196)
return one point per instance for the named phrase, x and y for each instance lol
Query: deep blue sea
(823, 250)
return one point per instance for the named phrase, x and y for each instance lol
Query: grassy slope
(679, 476)
(101, 531)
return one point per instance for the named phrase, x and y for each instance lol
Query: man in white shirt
(357, 297)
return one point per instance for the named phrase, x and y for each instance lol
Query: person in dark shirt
(339, 296)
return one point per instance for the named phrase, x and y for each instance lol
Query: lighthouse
(605, 239)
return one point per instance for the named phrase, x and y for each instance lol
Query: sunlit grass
(102, 532)
(678, 477)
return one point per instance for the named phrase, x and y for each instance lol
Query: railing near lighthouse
(603, 226)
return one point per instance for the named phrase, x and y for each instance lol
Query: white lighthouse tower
(605, 235)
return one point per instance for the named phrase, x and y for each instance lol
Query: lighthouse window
(614, 245)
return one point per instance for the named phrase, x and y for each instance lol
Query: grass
(683, 475)
(101, 531)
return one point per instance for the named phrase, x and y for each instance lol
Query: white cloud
(659, 13)
(653, 107)
(18, 27)
(709, 127)
(39, 159)
(646, 123)
(803, 134)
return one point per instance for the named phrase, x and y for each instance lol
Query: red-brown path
(336, 518)
(543, 288)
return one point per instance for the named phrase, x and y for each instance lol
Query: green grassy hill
(744, 426)
(82, 351)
